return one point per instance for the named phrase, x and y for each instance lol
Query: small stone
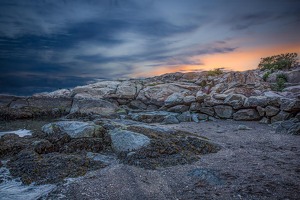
(243, 127)
(195, 118)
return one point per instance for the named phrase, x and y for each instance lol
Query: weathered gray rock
(290, 105)
(126, 90)
(271, 111)
(174, 99)
(243, 127)
(93, 106)
(207, 110)
(292, 89)
(210, 101)
(255, 101)
(195, 106)
(185, 117)
(195, 117)
(171, 119)
(178, 108)
(235, 100)
(151, 117)
(200, 96)
(99, 90)
(74, 129)
(265, 120)
(157, 94)
(261, 111)
(123, 141)
(220, 96)
(281, 116)
(189, 99)
(291, 126)
(202, 116)
(246, 115)
(224, 112)
(136, 104)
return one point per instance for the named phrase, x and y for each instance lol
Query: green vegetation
(215, 72)
(266, 75)
(281, 79)
(279, 62)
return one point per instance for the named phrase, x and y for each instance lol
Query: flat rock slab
(74, 129)
(123, 140)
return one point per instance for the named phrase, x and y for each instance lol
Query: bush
(266, 75)
(215, 72)
(281, 79)
(279, 62)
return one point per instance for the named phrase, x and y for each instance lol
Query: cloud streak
(80, 40)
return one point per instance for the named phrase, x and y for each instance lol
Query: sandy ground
(252, 164)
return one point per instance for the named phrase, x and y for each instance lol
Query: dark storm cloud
(70, 42)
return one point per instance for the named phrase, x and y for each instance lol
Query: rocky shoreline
(131, 123)
(171, 98)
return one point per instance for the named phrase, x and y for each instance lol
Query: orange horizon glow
(239, 60)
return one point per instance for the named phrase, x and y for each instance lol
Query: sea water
(12, 188)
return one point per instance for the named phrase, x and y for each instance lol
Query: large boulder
(207, 110)
(74, 129)
(157, 94)
(200, 96)
(291, 126)
(102, 89)
(246, 115)
(127, 90)
(281, 116)
(290, 105)
(271, 111)
(224, 112)
(255, 101)
(174, 99)
(123, 141)
(235, 100)
(185, 117)
(88, 106)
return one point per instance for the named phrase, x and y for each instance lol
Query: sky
(50, 44)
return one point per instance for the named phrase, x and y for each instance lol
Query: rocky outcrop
(237, 95)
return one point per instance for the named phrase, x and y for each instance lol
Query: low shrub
(215, 72)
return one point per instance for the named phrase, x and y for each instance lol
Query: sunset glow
(73, 43)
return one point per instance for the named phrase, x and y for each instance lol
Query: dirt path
(253, 164)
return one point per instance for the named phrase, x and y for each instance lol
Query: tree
(279, 62)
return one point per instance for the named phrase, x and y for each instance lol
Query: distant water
(20, 132)
(13, 189)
